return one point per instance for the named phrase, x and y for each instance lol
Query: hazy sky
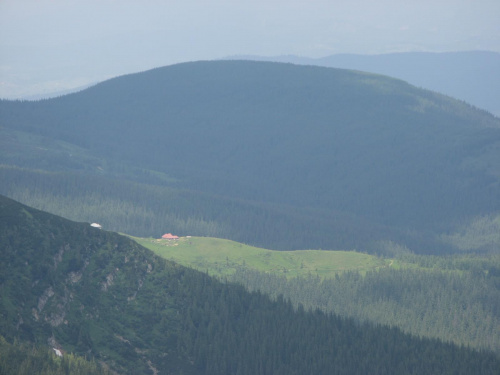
(46, 45)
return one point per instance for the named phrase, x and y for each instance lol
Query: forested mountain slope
(456, 306)
(380, 159)
(471, 76)
(97, 293)
(453, 298)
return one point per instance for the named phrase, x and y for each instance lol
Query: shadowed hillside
(472, 76)
(372, 151)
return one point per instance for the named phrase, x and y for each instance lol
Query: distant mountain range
(472, 76)
(277, 155)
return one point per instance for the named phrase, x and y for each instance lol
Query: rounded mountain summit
(368, 147)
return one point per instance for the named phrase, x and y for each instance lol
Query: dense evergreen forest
(96, 293)
(365, 157)
(142, 209)
(457, 306)
(453, 297)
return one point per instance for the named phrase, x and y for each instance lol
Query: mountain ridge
(465, 75)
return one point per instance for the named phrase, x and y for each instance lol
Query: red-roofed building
(169, 236)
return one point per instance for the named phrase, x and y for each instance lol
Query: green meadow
(222, 257)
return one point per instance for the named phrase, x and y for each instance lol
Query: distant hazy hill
(473, 76)
(100, 295)
(348, 158)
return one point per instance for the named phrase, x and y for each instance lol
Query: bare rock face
(42, 301)
(59, 256)
(75, 277)
(56, 320)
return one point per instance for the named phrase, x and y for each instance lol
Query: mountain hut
(169, 236)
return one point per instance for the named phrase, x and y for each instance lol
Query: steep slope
(74, 287)
(100, 294)
(367, 147)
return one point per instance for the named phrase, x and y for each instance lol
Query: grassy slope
(222, 257)
(428, 296)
